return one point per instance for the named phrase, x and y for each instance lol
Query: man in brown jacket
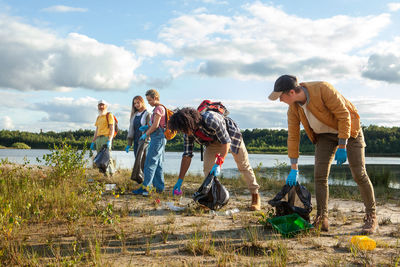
(333, 125)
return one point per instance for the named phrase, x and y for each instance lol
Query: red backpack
(204, 106)
(207, 105)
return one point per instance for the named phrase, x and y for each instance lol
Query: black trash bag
(212, 193)
(140, 158)
(293, 199)
(102, 159)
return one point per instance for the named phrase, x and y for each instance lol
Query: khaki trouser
(241, 159)
(325, 150)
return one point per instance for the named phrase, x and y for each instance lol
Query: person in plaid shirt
(218, 134)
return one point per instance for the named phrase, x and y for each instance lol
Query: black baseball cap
(283, 83)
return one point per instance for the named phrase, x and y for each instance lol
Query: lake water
(265, 164)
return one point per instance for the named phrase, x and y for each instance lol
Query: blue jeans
(153, 166)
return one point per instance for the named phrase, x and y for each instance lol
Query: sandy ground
(150, 234)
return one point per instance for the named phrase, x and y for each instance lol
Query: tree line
(381, 141)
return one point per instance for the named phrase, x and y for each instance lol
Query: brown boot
(370, 224)
(321, 223)
(255, 202)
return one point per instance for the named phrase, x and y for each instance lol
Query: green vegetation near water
(68, 198)
(381, 141)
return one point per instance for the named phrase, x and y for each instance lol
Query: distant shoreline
(386, 155)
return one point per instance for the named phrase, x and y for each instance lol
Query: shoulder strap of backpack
(166, 113)
(108, 123)
(115, 119)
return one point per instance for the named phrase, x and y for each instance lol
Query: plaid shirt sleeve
(188, 142)
(225, 129)
(217, 124)
(235, 134)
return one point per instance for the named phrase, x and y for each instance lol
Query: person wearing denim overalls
(139, 117)
(153, 166)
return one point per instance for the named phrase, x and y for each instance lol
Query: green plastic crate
(290, 225)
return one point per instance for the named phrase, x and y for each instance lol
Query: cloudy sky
(57, 58)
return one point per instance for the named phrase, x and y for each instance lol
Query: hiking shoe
(255, 202)
(140, 191)
(321, 223)
(370, 224)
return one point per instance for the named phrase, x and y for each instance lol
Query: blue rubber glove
(92, 146)
(341, 156)
(177, 186)
(292, 177)
(143, 128)
(127, 148)
(109, 144)
(143, 136)
(216, 170)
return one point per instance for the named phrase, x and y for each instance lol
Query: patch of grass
(58, 191)
(333, 261)
(385, 221)
(253, 235)
(279, 253)
(363, 257)
(166, 231)
(396, 232)
(201, 243)
(171, 218)
(149, 227)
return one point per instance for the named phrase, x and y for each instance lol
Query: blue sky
(57, 58)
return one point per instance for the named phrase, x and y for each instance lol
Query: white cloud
(176, 68)
(267, 42)
(200, 10)
(273, 114)
(384, 62)
(63, 9)
(252, 114)
(216, 2)
(395, 6)
(68, 109)
(146, 48)
(36, 59)
(378, 111)
(13, 100)
(7, 123)
(75, 113)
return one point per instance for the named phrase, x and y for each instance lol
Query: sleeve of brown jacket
(336, 104)
(293, 141)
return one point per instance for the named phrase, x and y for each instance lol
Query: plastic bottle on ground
(224, 213)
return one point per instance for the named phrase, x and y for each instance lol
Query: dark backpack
(218, 107)
(115, 124)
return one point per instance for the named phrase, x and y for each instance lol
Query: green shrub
(20, 145)
(58, 191)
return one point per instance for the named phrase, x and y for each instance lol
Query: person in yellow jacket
(104, 133)
(333, 125)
